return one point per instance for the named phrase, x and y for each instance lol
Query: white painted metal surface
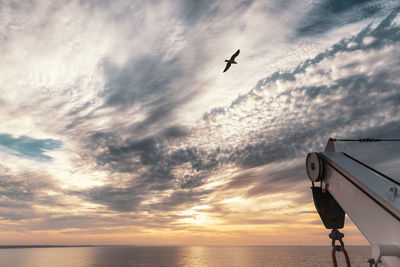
(370, 200)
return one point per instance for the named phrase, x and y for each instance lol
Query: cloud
(117, 199)
(19, 193)
(268, 179)
(327, 96)
(153, 163)
(193, 11)
(154, 137)
(329, 14)
(141, 80)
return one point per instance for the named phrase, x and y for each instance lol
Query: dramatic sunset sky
(117, 125)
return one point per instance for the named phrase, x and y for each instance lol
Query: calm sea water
(179, 256)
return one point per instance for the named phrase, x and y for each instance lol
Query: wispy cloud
(326, 15)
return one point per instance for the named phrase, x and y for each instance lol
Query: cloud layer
(112, 124)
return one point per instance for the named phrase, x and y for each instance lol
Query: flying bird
(231, 61)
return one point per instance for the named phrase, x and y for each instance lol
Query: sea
(202, 256)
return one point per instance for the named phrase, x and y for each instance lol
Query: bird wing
(235, 55)
(227, 66)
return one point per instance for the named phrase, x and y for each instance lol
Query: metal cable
(364, 140)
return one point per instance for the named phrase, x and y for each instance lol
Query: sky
(117, 125)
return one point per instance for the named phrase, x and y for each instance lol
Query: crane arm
(370, 198)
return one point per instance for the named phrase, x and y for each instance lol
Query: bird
(231, 61)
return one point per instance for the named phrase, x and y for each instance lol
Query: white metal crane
(370, 198)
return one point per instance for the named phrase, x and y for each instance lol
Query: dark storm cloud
(29, 147)
(328, 14)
